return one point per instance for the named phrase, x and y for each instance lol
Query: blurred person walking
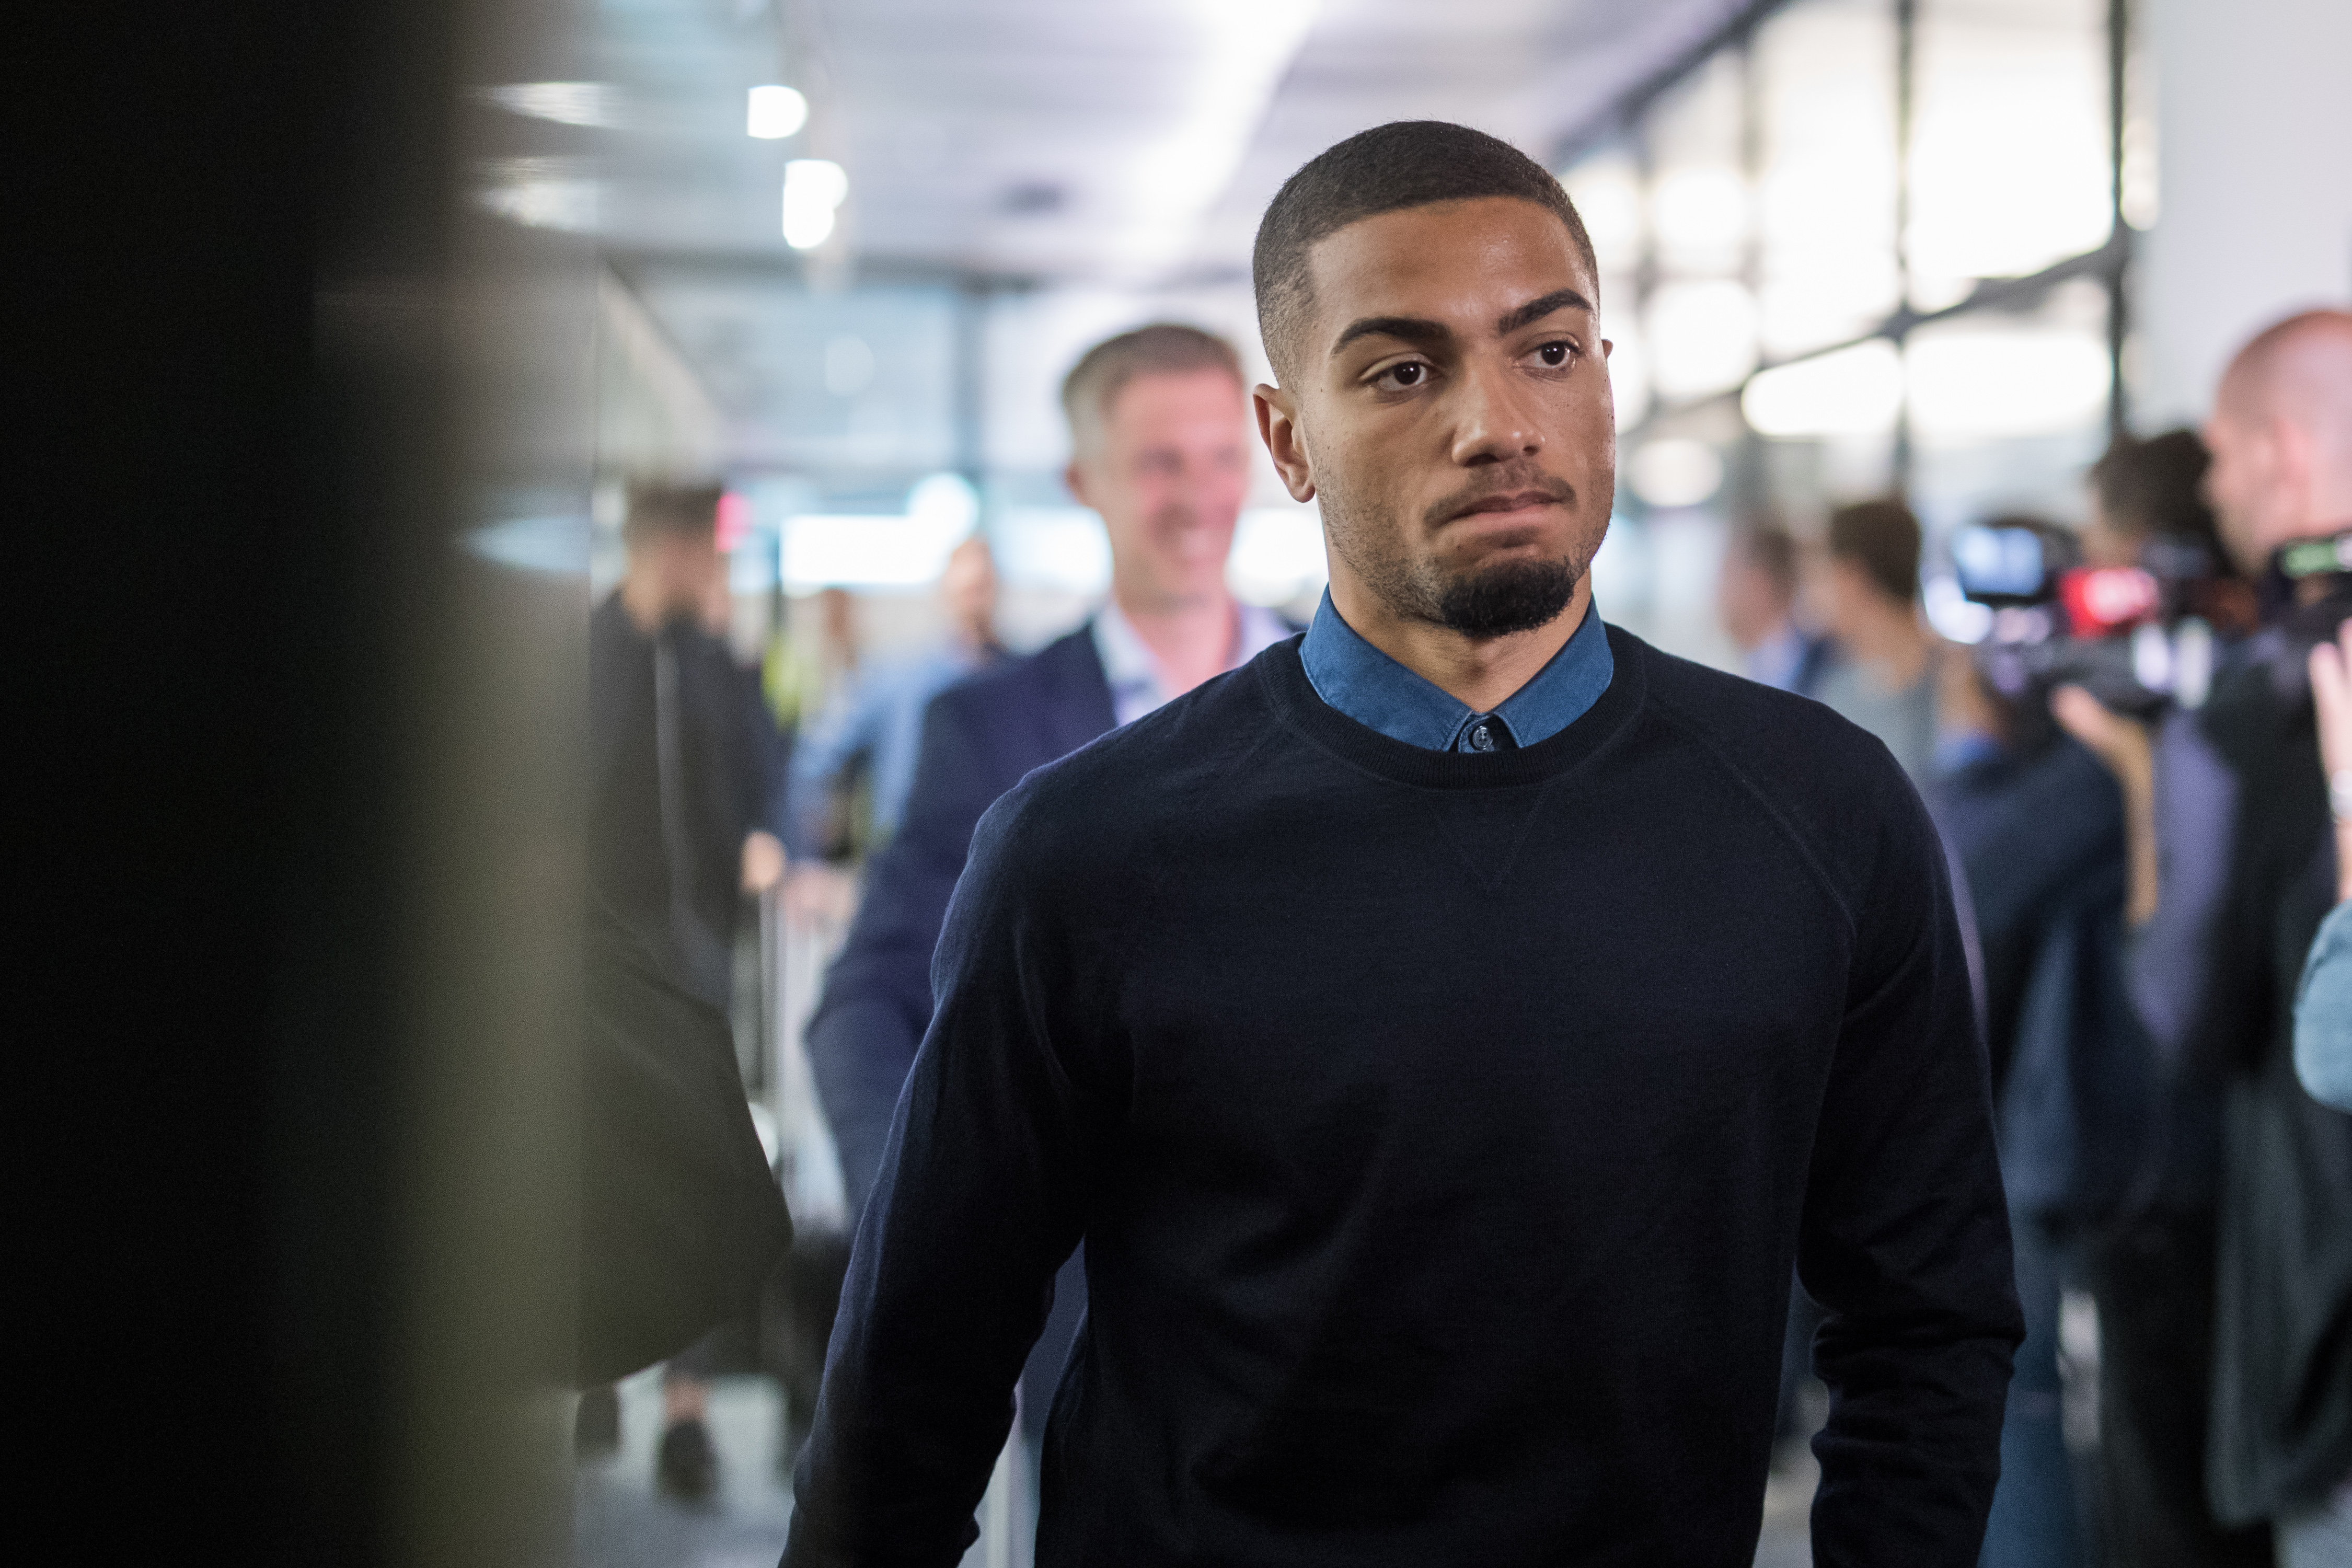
(1865, 591)
(1160, 448)
(2233, 871)
(1755, 600)
(876, 724)
(1445, 1032)
(686, 814)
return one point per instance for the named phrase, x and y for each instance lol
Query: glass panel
(2007, 410)
(1698, 193)
(1825, 80)
(2009, 169)
(1985, 375)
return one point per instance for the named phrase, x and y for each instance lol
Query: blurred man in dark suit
(686, 815)
(1160, 448)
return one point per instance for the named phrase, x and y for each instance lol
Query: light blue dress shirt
(1378, 694)
(2323, 1014)
(1133, 670)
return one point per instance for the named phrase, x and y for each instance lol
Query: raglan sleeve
(1906, 1239)
(982, 1194)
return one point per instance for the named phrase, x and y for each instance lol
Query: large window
(1867, 247)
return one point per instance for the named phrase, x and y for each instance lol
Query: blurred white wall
(2255, 127)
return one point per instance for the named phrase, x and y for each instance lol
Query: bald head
(2282, 438)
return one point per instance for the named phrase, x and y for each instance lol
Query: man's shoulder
(1772, 732)
(1831, 786)
(1161, 765)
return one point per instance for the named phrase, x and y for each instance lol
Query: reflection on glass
(1825, 80)
(2009, 152)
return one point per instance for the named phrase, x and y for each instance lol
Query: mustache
(1507, 481)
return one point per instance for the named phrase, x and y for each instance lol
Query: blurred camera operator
(2232, 868)
(2037, 827)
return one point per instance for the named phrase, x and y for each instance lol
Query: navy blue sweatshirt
(1441, 1129)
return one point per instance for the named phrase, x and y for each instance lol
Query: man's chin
(1508, 597)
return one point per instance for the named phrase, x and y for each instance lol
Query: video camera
(2135, 638)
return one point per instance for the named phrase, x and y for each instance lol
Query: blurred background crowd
(1980, 372)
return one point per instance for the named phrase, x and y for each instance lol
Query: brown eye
(1553, 354)
(1408, 374)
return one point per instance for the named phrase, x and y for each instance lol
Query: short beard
(1515, 596)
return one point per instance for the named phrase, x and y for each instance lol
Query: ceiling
(1114, 152)
(1075, 140)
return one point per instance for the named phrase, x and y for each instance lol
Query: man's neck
(1891, 646)
(1192, 639)
(646, 603)
(1477, 672)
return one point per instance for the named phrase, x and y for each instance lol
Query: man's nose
(1495, 421)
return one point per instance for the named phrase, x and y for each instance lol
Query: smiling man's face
(1451, 408)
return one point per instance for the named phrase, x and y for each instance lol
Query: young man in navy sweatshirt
(1445, 1031)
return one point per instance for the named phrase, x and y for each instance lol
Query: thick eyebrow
(1426, 333)
(1410, 329)
(1535, 310)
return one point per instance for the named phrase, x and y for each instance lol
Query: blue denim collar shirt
(1378, 694)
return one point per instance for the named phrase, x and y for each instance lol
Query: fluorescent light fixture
(908, 549)
(1677, 472)
(543, 193)
(1970, 382)
(1855, 391)
(1230, 56)
(1058, 548)
(814, 189)
(590, 103)
(946, 502)
(776, 112)
(557, 544)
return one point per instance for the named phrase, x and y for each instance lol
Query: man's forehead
(1466, 255)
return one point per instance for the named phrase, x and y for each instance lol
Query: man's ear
(1075, 477)
(1285, 443)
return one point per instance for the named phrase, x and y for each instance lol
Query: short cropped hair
(2157, 486)
(1164, 348)
(1390, 168)
(659, 509)
(1766, 544)
(1880, 537)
